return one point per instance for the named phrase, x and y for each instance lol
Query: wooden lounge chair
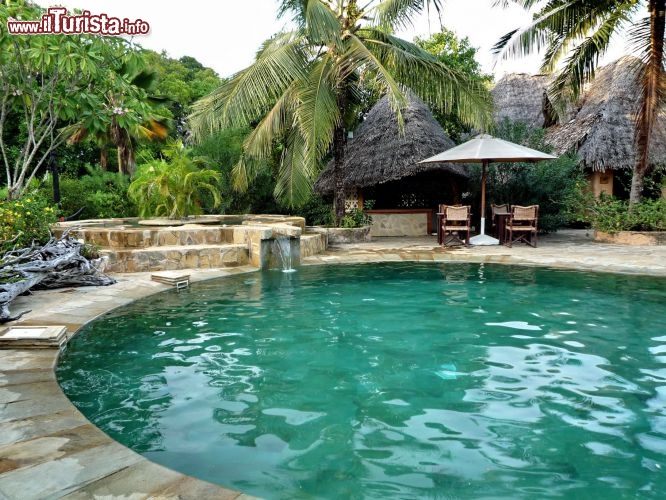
(455, 221)
(522, 222)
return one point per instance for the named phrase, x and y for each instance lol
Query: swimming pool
(390, 381)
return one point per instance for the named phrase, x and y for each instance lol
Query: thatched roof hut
(602, 132)
(519, 97)
(379, 153)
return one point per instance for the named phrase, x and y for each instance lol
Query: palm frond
(250, 92)
(589, 27)
(441, 86)
(583, 58)
(244, 171)
(318, 113)
(639, 38)
(296, 176)
(391, 14)
(259, 143)
(322, 25)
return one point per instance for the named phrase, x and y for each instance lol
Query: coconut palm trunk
(652, 83)
(338, 161)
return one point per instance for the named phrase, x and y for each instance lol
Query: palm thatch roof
(602, 131)
(519, 97)
(379, 153)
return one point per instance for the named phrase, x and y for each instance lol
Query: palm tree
(576, 33)
(174, 186)
(304, 86)
(130, 114)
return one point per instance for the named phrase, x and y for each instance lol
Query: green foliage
(549, 184)
(181, 82)
(84, 80)
(357, 217)
(224, 149)
(100, 194)
(610, 215)
(316, 211)
(459, 54)
(25, 221)
(174, 186)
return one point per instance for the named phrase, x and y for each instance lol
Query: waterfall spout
(281, 248)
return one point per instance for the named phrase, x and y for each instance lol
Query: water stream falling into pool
(281, 247)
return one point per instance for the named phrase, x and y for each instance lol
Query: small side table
(500, 225)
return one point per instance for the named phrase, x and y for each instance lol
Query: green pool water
(390, 381)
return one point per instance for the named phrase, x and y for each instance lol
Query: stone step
(166, 258)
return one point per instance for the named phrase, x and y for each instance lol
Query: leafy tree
(173, 186)
(51, 80)
(456, 53)
(130, 112)
(224, 148)
(180, 81)
(304, 86)
(577, 33)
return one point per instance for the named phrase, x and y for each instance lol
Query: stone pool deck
(49, 450)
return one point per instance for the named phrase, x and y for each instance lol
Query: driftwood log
(57, 264)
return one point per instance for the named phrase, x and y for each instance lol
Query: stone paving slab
(49, 450)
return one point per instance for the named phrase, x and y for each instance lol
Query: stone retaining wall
(632, 237)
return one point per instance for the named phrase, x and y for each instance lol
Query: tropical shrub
(97, 195)
(357, 217)
(315, 211)
(174, 186)
(25, 221)
(611, 215)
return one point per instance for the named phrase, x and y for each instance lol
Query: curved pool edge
(51, 450)
(48, 449)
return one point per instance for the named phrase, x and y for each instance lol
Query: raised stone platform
(33, 336)
(204, 242)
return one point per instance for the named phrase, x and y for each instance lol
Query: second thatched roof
(602, 132)
(519, 97)
(378, 153)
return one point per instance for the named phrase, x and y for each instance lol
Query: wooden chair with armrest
(455, 224)
(522, 225)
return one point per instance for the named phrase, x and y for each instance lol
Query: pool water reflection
(401, 380)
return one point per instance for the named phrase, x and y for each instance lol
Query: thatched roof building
(602, 131)
(379, 154)
(519, 97)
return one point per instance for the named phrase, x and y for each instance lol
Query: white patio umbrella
(485, 149)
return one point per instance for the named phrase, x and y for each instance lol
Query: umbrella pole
(484, 174)
(481, 238)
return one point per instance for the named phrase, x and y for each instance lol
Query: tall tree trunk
(339, 158)
(122, 141)
(338, 174)
(126, 162)
(652, 78)
(104, 158)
